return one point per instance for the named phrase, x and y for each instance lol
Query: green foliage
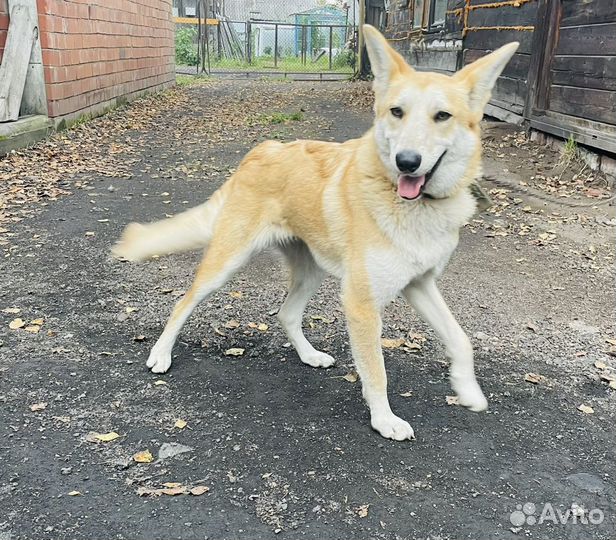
(571, 149)
(185, 46)
(344, 59)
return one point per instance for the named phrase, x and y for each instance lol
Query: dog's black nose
(408, 161)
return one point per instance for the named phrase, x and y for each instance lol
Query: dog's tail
(189, 230)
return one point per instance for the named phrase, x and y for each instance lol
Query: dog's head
(427, 124)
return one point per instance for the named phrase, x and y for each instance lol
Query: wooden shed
(562, 80)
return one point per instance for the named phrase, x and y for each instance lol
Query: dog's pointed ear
(480, 76)
(384, 61)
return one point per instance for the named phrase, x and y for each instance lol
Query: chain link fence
(320, 39)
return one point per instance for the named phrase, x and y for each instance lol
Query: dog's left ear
(480, 76)
(385, 62)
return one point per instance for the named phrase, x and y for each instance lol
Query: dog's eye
(441, 116)
(397, 112)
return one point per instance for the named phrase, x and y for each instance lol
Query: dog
(382, 213)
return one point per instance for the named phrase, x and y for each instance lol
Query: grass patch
(284, 64)
(191, 80)
(277, 118)
(570, 150)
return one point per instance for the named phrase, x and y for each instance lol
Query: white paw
(159, 361)
(392, 427)
(318, 359)
(469, 394)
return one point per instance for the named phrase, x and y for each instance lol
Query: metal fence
(225, 46)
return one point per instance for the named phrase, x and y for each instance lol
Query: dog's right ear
(385, 62)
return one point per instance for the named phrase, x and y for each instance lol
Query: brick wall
(96, 52)
(4, 24)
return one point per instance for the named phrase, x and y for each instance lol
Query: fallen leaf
(231, 324)
(143, 457)
(534, 378)
(199, 490)
(612, 385)
(607, 376)
(234, 351)
(610, 341)
(532, 327)
(351, 377)
(180, 424)
(16, 310)
(33, 328)
(321, 318)
(172, 484)
(130, 309)
(407, 394)
(236, 294)
(581, 353)
(74, 493)
(175, 489)
(412, 346)
(392, 343)
(362, 511)
(586, 409)
(102, 437)
(262, 327)
(600, 365)
(38, 407)
(38, 322)
(140, 337)
(17, 323)
(159, 382)
(452, 400)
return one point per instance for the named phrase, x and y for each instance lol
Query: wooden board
(493, 39)
(512, 91)
(598, 105)
(517, 68)
(596, 39)
(525, 15)
(588, 11)
(593, 134)
(597, 72)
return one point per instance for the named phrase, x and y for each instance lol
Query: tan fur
(336, 206)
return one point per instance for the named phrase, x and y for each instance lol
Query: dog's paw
(319, 360)
(470, 395)
(159, 362)
(392, 427)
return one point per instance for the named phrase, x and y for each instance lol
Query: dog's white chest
(393, 268)
(419, 242)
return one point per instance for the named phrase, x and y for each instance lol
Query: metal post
(331, 32)
(275, 46)
(304, 45)
(248, 41)
(360, 39)
(218, 40)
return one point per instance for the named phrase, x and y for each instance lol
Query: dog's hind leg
(425, 297)
(306, 276)
(228, 252)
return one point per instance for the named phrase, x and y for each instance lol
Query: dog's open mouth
(411, 187)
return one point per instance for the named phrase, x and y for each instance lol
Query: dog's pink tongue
(409, 187)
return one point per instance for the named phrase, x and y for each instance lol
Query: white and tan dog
(381, 212)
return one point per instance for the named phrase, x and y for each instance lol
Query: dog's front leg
(364, 323)
(425, 297)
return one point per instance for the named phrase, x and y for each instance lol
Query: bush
(185, 46)
(344, 58)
